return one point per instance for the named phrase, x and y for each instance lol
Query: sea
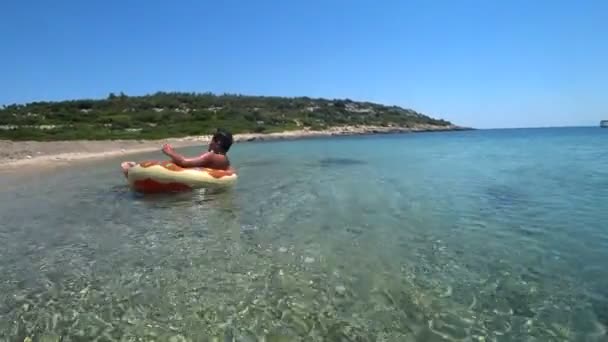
(485, 235)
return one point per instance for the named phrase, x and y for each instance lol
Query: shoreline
(14, 154)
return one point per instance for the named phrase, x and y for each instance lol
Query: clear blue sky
(479, 63)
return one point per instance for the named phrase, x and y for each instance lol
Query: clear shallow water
(487, 235)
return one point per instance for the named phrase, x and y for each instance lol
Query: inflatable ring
(166, 176)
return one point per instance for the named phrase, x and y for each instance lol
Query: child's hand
(167, 149)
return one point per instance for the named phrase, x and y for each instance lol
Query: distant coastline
(15, 154)
(164, 115)
(58, 132)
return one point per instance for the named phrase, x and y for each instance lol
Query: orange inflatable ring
(165, 176)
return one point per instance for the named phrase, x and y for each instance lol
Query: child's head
(221, 141)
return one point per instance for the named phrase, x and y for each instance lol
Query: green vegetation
(163, 115)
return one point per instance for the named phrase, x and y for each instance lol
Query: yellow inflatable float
(166, 176)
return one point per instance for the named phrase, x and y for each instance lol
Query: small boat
(604, 123)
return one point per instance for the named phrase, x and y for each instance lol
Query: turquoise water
(496, 235)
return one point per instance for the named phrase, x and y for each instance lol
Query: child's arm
(179, 160)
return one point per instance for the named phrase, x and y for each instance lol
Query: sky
(482, 64)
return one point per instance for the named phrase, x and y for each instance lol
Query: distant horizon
(476, 64)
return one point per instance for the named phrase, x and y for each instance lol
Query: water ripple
(466, 236)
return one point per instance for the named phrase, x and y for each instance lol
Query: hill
(163, 115)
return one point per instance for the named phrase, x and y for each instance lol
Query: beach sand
(21, 153)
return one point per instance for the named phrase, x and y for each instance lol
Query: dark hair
(223, 139)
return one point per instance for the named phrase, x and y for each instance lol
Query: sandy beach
(21, 153)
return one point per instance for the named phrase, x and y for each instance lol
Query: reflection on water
(209, 198)
(455, 248)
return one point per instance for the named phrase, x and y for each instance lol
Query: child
(214, 158)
